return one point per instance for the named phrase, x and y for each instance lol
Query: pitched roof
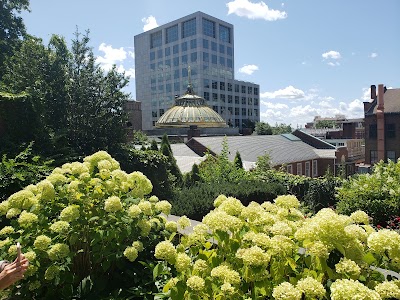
(391, 102)
(282, 149)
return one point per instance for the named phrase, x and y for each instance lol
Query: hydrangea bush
(83, 228)
(272, 251)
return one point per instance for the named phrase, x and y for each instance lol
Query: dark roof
(282, 149)
(391, 102)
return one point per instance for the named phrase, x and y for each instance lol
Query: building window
(255, 101)
(237, 122)
(214, 84)
(176, 86)
(215, 96)
(205, 57)
(161, 111)
(184, 73)
(209, 28)
(175, 49)
(374, 156)
(390, 131)
(222, 49)
(168, 88)
(154, 114)
(171, 34)
(224, 33)
(250, 101)
(215, 108)
(256, 91)
(315, 168)
(193, 57)
(152, 55)
(229, 87)
(236, 99)
(167, 62)
(229, 51)
(222, 61)
(189, 28)
(156, 39)
(229, 63)
(236, 111)
(222, 86)
(184, 59)
(256, 112)
(244, 100)
(213, 46)
(214, 59)
(372, 131)
(229, 98)
(299, 169)
(159, 54)
(391, 155)
(249, 90)
(236, 88)
(205, 44)
(307, 170)
(176, 61)
(207, 96)
(193, 44)
(243, 111)
(184, 46)
(206, 83)
(289, 169)
(222, 96)
(167, 51)
(243, 89)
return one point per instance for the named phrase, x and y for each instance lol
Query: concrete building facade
(206, 44)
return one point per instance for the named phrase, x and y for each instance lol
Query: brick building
(382, 125)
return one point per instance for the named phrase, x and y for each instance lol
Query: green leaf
(157, 270)
(369, 258)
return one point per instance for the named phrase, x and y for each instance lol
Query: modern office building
(206, 44)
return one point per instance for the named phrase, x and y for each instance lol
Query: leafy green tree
(95, 113)
(263, 128)
(154, 145)
(140, 138)
(238, 161)
(263, 163)
(325, 124)
(12, 27)
(281, 128)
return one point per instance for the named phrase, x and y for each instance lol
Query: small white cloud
(149, 23)
(331, 55)
(271, 105)
(248, 69)
(333, 64)
(366, 94)
(289, 92)
(325, 104)
(111, 56)
(131, 54)
(356, 107)
(250, 10)
(373, 55)
(303, 63)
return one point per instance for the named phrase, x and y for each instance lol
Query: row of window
(189, 28)
(184, 59)
(389, 155)
(307, 171)
(229, 99)
(160, 53)
(228, 86)
(390, 131)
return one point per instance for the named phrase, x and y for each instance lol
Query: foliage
(154, 145)
(140, 138)
(219, 168)
(22, 170)
(263, 163)
(237, 161)
(192, 177)
(263, 128)
(12, 27)
(85, 228)
(314, 193)
(196, 200)
(325, 124)
(74, 104)
(272, 250)
(378, 193)
(152, 164)
(166, 150)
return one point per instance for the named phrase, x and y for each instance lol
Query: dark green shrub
(196, 201)
(377, 194)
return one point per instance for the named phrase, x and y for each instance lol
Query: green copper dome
(190, 109)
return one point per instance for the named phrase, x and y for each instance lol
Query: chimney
(380, 122)
(373, 91)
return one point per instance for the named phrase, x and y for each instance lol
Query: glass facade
(156, 39)
(171, 34)
(189, 28)
(208, 28)
(224, 34)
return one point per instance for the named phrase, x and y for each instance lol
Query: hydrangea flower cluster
(61, 222)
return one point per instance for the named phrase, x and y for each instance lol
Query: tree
(12, 27)
(238, 161)
(95, 114)
(166, 149)
(263, 128)
(281, 128)
(325, 124)
(154, 145)
(263, 163)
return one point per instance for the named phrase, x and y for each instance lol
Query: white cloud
(289, 92)
(333, 64)
(325, 104)
(271, 105)
(331, 55)
(149, 23)
(111, 56)
(248, 69)
(131, 54)
(373, 55)
(250, 10)
(366, 94)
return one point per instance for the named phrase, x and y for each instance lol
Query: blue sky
(310, 57)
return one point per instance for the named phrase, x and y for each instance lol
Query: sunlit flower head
(219, 200)
(195, 283)
(164, 207)
(231, 206)
(166, 251)
(131, 253)
(345, 289)
(226, 274)
(42, 242)
(360, 217)
(112, 204)
(254, 256)
(182, 262)
(6, 230)
(60, 227)
(287, 201)
(312, 288)
(388, 290)
(70, 213)
(286, 291)
(348, 267)
(200, 266)
(171, 226)
(134, 211)
(27, 219)
(138, 245)
(184, 222)
(58, 251)
(51, 272)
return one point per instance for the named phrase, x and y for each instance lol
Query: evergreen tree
(154, 145)
(195, 174)
(238, 161)
(165, 141)
(166, 149)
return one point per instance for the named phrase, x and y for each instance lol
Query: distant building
(206, 44)
(134, 121)
(298, 153)
(344, 128)
(382, 124)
